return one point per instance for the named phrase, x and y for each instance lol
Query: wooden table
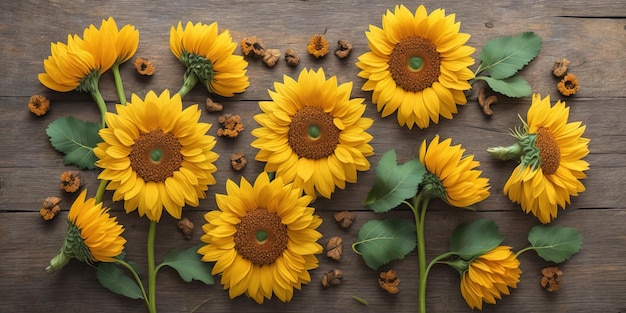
(591, 35)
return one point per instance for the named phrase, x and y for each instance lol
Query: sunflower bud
(73, 248)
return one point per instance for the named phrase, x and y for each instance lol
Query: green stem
(101, 189)
(421, 204)
(435, 261)
(137, 279)
(95, 93)
(118, 83)
(189, 81)
(151, 269)
(524, 250)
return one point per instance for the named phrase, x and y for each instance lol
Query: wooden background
(591, 35)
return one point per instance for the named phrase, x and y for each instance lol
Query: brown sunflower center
(312, 133)
(548, 151)
(261, 237)
(155, 156)
(414, 63)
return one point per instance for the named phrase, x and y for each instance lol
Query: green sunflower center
(414, 63)
(312, 133)
(548, 151)
(155, 156)
(261, 237)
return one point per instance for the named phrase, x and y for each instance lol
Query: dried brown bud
(559, 69)
(389, 281)
(252, 45)
(186, 227)
(568, 85)
(271, 56)
(231, 125)
(334, 248)
(238, 161)
(51, 206)
(551, 280)
(343, 49)
(70, 181)
(333, 277)
(213, 106)
(144, 67)
(291, 57)
(39, 105)
(344, 219)
(486, 103)
(318, 46)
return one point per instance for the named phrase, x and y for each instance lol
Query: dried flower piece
(253, 45)
(334, 248)
(318, 46)
(271, 56)
(231, 125)
(344, 48)
(389, 281)
(186, 227)
(39, 105)
(70, 181)
(551, 280)
(560, 67)
(568, 85)
(238, 161)
(213, 106)
(51, 206)
(144, 67)
(333, 277)
(292, 57)
(486, 103)
(344, 219)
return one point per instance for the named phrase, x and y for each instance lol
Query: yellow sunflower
(313, 134)
(155, 155)
(418, 65)
(550, 151)
(489, 276)
(262, 239)
(451, 176)
(92, 235)
(125, 40)
(208, 57)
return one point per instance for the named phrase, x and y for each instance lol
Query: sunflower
(92, 235)
(313, 134)
(451, 176)
(550, 151)
(208, 57)
(489, 276)
(262, 239)
(418, 65)
(126, 40)
(155, 155)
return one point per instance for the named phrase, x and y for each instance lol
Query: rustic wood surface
(591, 35)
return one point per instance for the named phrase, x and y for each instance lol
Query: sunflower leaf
(189, 265)
(514, 87)
(76, 139)
(555, 244)
(502, 57)
(474, 239)
(111, 277)
(394, 183)
(380, 242)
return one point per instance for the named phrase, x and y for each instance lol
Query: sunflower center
(414, 63)
(155, 156)
(548, 151)
(312, 133)
(261, 237)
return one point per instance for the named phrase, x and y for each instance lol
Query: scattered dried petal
(344, 219)
(291, 57)
(344, 48)
(51, 206)
(231, 125)
(568, 85)
(333, 277)
(560, 67)
(238, 161)
(389, 281)
(213, 106)
(39, 105)
(318, 46)
(551, 280)
(186, 227)
(253, 45)
(334, 248)
(271, 56)
(144, 67)
(70, 181)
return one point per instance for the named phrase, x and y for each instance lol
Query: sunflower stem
(137, 279)
(420, 204)
(151, 269)
(118, 83)
(101, 189)
(512, 152)
(97, 96)
(524, 250)
(189, 81)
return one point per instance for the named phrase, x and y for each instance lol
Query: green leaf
(514, 87)
(76, 139)
(111, 277)
(380, 242)
(555, 244)
(477, 238)
(394, 183)
(502, 57)
(189, 265)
